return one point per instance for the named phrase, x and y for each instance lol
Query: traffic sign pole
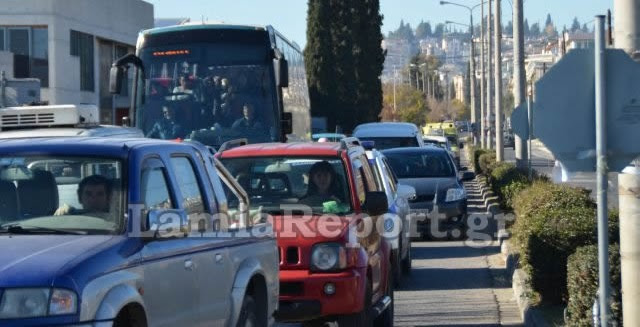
(602, 180)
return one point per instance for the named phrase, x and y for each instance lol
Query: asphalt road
(543, 162)
(456, 284)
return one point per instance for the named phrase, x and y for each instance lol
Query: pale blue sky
(289, 16)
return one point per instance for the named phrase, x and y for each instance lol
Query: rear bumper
(304, 297)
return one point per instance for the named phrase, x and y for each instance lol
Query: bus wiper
(18, 228)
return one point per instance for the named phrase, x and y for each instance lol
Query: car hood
(428, 186)
(37, 260)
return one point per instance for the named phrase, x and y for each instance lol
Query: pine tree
(429, 31)
(319, 58)
(508, 29)
(525, 28)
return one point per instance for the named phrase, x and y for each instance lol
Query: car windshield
(61, 194)
(421, 164)
(303, 183)
(197, 92)
(382, 143)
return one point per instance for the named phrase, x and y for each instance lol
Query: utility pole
(498, 80)
(627, 37)
(489, 89)
(519, 78)
(395, 74)
(482, 79)
(472, 81)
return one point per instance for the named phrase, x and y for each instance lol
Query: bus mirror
(282, 72)
(287, 123)
(115, 79)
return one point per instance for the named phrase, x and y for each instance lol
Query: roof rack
(349, 142)
(233, 144)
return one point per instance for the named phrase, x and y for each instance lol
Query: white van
(390, 135)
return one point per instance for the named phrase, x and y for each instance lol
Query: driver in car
(94, 194)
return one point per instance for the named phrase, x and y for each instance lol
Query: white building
(70, 46)
(398, 57)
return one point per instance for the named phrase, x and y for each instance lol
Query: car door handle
(218, 258)
(188, 264)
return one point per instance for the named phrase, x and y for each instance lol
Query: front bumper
(302, 295)
(450, 215)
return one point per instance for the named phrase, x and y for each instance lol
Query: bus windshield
(208, 92)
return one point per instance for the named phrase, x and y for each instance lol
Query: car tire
(386, 318)
(396, 268)
(248, 317)
(362, 318)
(406, 262)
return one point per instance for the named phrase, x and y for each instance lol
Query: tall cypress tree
(369, 59)
(319, 60)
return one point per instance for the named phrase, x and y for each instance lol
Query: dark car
(433, 174)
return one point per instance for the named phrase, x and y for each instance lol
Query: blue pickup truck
(128, 232)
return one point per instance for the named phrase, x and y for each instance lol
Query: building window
(30, 48)
(82, 46)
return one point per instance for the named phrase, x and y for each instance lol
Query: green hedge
(582, 283)
(474, 157)
(552, 221)
(486, 161)
(507, 181)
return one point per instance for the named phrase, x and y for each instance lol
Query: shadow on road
(424, 251)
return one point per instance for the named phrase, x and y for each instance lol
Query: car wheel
(406, 262)
(396, 269)
(362, 318)
(248, 316)
(386, 318)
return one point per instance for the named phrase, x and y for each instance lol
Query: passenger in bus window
(248, 120)
(184, 90)
(166, 128)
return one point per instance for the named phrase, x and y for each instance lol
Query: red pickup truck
(328, 213)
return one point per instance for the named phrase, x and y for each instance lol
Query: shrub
(506, 181)
(486, 161)
(475, 159)
(582, 284)
(552, 221)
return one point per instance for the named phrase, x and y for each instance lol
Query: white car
(397, 223)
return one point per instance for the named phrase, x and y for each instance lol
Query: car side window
(188, 184)
(370, 183)
(154, 190)
(393, 183)
(359, 180)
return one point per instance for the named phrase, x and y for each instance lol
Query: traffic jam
(189, 218)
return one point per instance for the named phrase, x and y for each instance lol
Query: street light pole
(489, 89)
(498, 80)
(519, 78)
(482, 81)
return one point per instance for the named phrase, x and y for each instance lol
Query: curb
(530, 315)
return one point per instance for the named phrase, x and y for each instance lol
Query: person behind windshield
(323, 185)
(166, 128)
(248, 120)
(94, 194)
(184, 90)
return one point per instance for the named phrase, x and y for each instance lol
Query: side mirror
(287, 123)
(116, 75)
(468, 176)
(282, 72)
(407, 192)
(376, 204)
(464, 169)
(168, 223)
(461, 145)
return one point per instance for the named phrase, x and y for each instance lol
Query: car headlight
(328, 256)
(36, 302)
(455, 194)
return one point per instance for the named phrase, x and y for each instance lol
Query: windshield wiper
(17, 228)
